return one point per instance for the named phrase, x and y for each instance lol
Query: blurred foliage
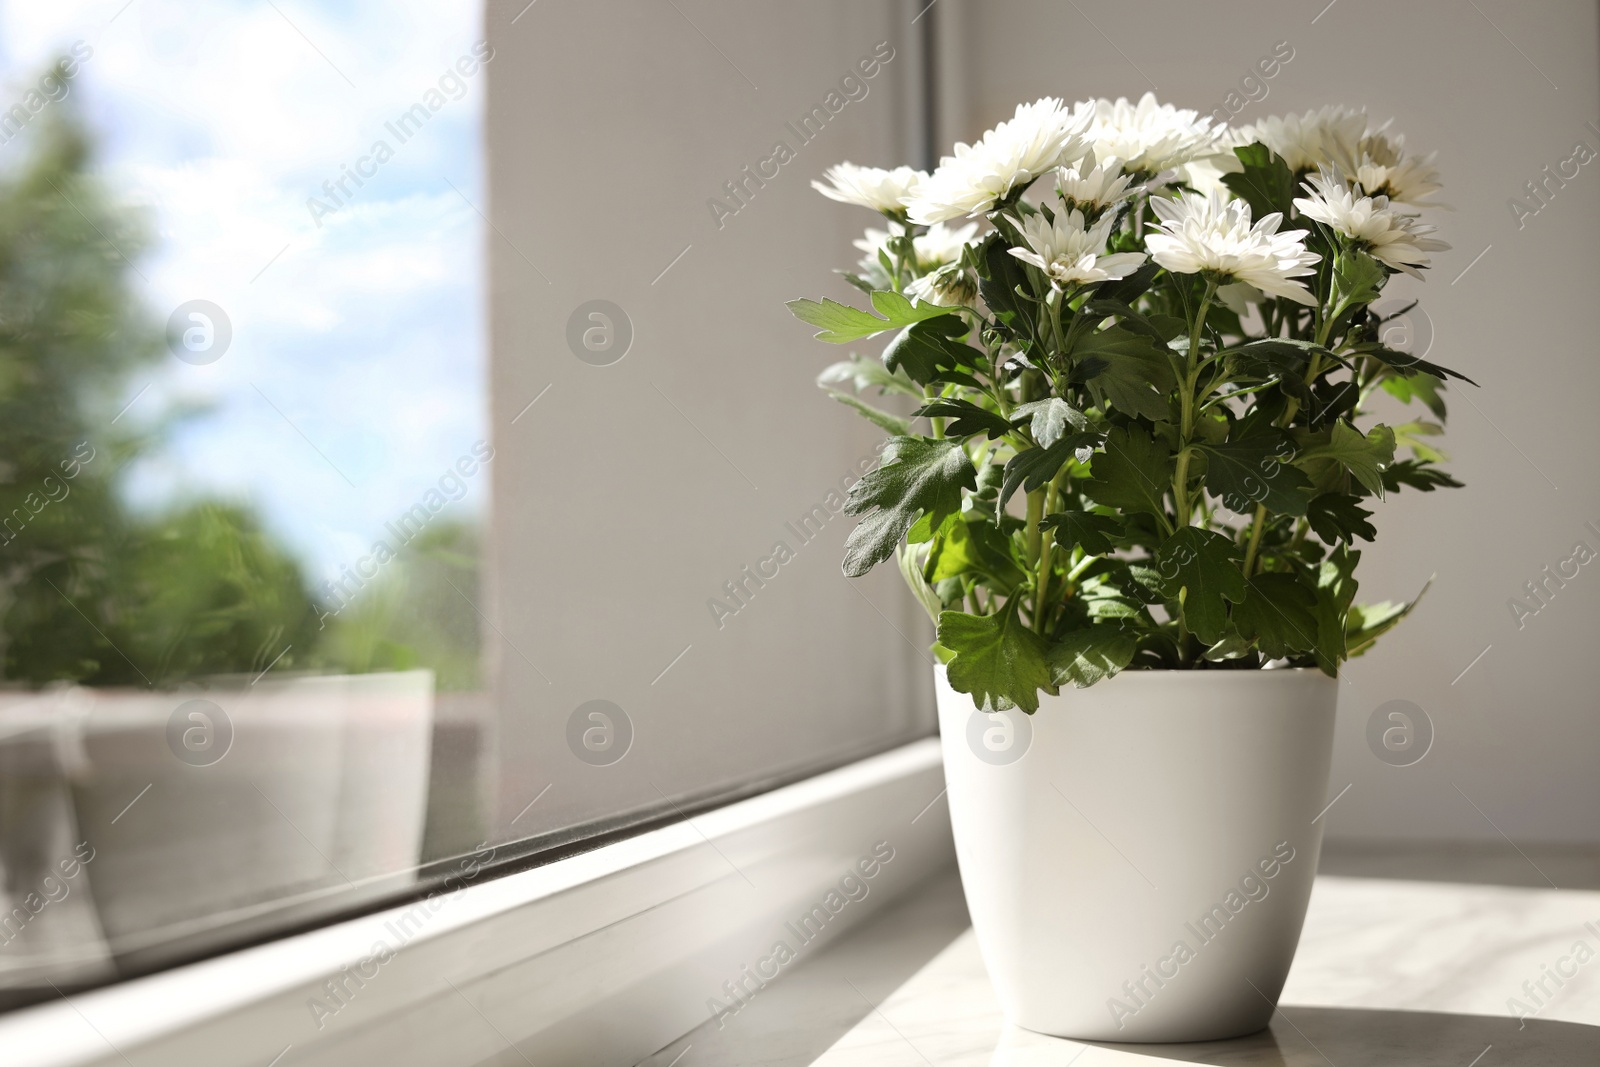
(91, 591)
(415, 613)
(203, 590)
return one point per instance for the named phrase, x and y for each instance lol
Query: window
(390, 470)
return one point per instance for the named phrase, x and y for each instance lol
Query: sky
(356, 370)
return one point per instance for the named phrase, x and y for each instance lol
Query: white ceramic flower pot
(383, 784)
(323, 783)
(1138, 856)
(182, 845)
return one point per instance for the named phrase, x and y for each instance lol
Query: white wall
(1519, 734)
(629, 494)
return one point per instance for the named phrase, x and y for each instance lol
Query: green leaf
(1092, 531)
(1357, 279)
(969, 418)
(1033, 467)
(902, 312)
(1368, 622)
(922, 531)
(1277, 614)
(998, 280)
(1274, 355)
(1417, 475)
(1049, 419)
(892, 423)
(990, 475)
(1230, 646)
(974, 548)
(1329, 401)
(1133, 372)
(1133, 472)
(1339, 517)
(918, 475)
(1365, 457)
(998, 660)
(908, 558)
(1198, 568)
(858, 281)
(1336, 589)
(1126, 316)
(1406, 363)
(1126, 290)
(1170, 326)
(863, 373)
(1103, 598)
(928, 351)
(1256, 471)
(1417, 386)
(1410, 435)
(1093, 654)
(1145, 584)
(841, 323)
(1265, 182)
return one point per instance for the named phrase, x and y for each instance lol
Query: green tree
(416, 612)
(71, 333)
(93, 593)
(96, 593)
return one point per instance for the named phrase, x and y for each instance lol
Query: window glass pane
(398, 466)
(667, 526)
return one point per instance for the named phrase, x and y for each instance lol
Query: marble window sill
(1390, 972)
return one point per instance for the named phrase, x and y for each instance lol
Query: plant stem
(1292, 408)
(1180, 488)
(1034, 534)
(995, 389)
(1047, 551)
(1198, 329)
(1055, 320)
(1191, 374)
(901, 242)
(1257, 525)
(1079, 567)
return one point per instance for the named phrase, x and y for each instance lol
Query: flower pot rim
(1168, 672)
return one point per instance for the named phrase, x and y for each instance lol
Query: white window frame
(600, 958)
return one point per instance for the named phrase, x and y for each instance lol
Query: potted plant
(1133, 508)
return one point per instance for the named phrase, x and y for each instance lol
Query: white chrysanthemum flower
(1072, 253)
(1384, 169)
(1239, 296)
(940, 245)
(1148, 137)
(1094, 186)
(950, 286)
(1329, 135)
(1397, 240)
(1041, 136)
(1204, 173)
(871, 187)
(1214, 234)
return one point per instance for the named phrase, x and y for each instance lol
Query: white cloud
(223, 118)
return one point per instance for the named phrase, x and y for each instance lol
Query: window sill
(599, 958)
(1390, 970)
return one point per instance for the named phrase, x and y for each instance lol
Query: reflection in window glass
(243, 466)
(318, 594)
